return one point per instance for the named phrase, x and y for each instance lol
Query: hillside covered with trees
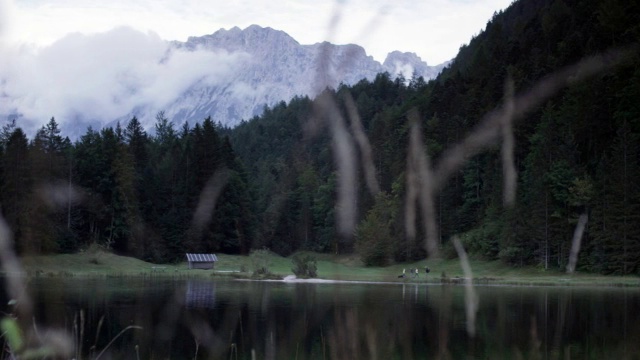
(272, 182)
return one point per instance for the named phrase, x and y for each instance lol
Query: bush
(304, 266)
(260, 262)
(94, 248)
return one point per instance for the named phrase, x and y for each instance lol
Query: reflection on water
(200, 294)
(233, 319)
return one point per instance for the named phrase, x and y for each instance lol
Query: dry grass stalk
(363, 144)
(413, 187)
(326, 112)
(576, 243)
(420, 187)
(470, 297)
(208, 198)
(508, 145)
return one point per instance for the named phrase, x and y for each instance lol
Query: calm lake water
(233, 319)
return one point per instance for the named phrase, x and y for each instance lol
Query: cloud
(406, 70)
(105, 76)
(434, 29)
(6, 11)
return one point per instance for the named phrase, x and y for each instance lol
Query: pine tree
(617, 211)
(374, 237)
(17, 187)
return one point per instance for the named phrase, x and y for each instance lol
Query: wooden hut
(201, 261)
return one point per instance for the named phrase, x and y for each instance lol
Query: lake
(183, 319)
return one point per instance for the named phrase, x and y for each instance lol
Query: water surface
(233, 319)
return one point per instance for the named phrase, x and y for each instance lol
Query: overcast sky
(434, 29)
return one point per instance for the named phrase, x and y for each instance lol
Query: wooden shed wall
(200, 265)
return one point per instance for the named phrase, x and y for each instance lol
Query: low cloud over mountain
(230, 75)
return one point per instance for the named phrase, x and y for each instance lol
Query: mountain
(271, 67)
(230, 75)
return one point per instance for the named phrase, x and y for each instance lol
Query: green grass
(335, 267)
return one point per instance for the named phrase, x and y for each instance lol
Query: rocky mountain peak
(276, 68)
(248, 39)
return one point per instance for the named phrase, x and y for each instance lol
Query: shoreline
(331, 270)
(226, 275)
(292, 279)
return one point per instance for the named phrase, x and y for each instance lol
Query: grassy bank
(101, 263)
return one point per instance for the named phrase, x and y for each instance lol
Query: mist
(96, 79)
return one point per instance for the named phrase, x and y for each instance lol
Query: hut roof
(202, 257)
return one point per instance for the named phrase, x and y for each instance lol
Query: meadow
(99, 263)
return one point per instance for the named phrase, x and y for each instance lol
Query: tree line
(579, 153)
(123, 189)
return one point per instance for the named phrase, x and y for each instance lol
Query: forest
(271, 182)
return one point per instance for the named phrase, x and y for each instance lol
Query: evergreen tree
(374, 237)
(17, 187)
(50, 163)
(617, 212)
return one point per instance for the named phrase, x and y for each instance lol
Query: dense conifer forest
(271, 181)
